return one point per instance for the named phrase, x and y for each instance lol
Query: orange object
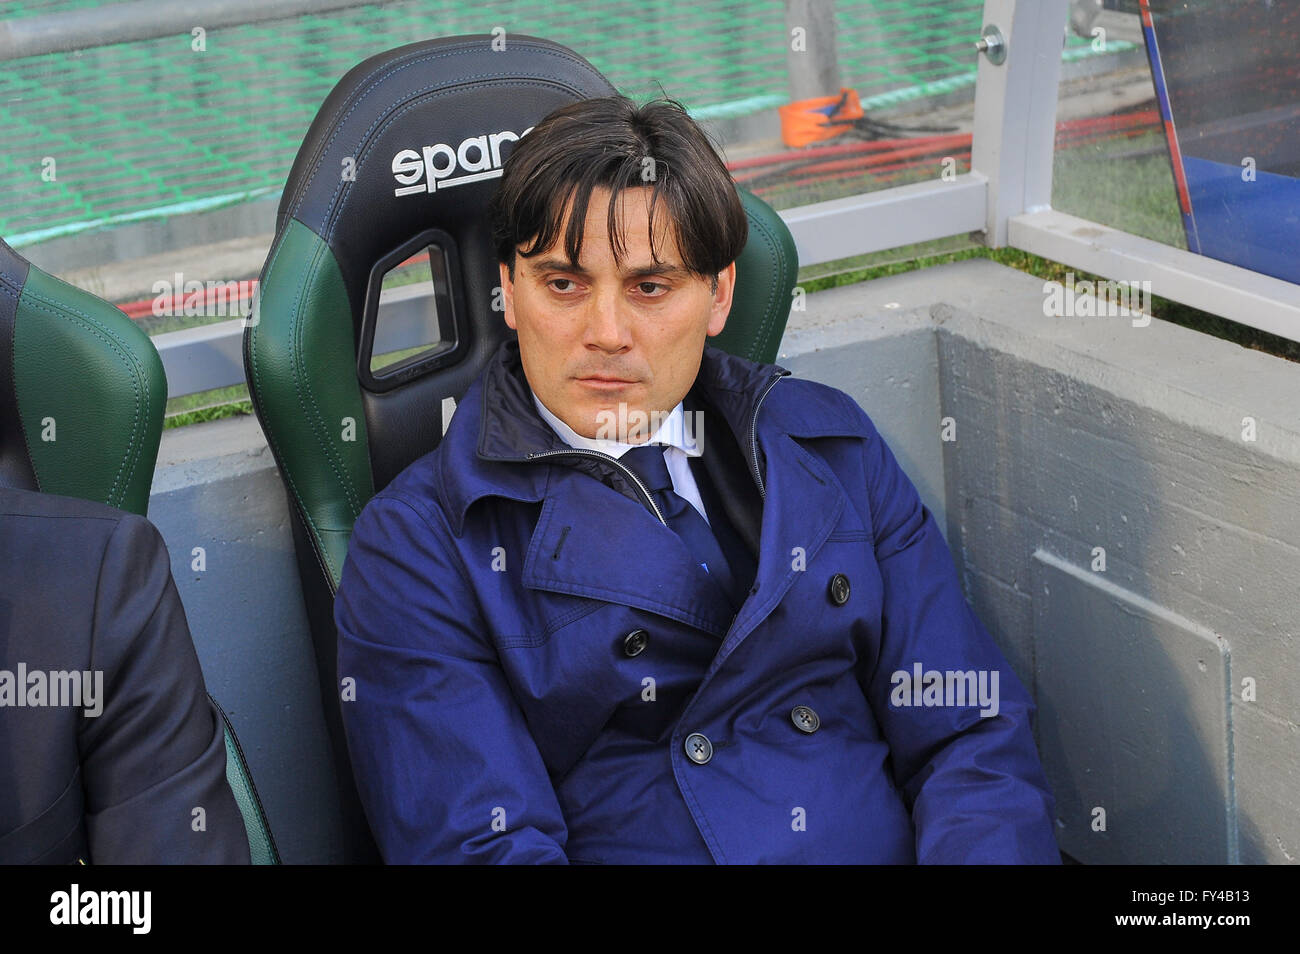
(820, 118)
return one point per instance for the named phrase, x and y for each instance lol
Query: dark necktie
(648, 463)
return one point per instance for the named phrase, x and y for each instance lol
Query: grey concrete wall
(216, 488)
(1169, 682)
(1070, 435)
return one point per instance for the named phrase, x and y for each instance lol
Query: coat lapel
(802, 505)
(592, 541)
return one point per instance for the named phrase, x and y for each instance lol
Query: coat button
(698, 748)
(634, 642)
(839, 589)
(804, 719)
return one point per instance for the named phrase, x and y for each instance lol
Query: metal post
(812, 66)
(1015, 108)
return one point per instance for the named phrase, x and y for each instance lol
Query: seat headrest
(415, 138)
(82, 391)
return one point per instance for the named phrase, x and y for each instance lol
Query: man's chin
(623, 422)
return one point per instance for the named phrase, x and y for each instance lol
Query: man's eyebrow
(563, 265)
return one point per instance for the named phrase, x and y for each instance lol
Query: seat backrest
(82, 391)
(403, 158)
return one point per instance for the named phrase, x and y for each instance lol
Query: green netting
(153, 128)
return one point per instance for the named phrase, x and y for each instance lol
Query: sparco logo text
(441, 165)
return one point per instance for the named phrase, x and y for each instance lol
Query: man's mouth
(604, 382)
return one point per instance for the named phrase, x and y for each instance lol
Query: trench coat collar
(496, 429)
(487, 448)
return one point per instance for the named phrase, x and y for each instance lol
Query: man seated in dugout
(650, 602)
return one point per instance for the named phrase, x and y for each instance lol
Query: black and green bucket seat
(400, 162)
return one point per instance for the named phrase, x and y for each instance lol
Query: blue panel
(1252, 224)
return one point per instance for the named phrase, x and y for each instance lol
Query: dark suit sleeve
(156, 753)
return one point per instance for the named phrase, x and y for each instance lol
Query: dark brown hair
(610, 141)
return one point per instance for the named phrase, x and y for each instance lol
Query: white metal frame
(1011, 154)
(1011, 173)
(1015, 110)
(891, 218)
(1238, 294)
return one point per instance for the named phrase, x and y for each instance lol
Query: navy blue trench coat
(533, 673)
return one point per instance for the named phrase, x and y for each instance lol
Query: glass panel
(1111, 164)
(1227, 76)
(414, 312)
(114, 152)
(135, 163)
(1226, 183)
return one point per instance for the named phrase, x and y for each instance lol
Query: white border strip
(890, 218)
(1238, 294)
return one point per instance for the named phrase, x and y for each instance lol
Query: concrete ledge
(1074, 439)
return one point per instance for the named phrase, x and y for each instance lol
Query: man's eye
(647, 288)
(554, 280)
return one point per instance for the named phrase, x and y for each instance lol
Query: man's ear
(507, 295)
(722, 300)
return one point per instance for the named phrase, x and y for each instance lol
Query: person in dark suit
(110, 750)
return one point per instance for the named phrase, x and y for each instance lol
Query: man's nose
(609, 323)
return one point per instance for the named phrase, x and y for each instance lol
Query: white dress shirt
(680, 447)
